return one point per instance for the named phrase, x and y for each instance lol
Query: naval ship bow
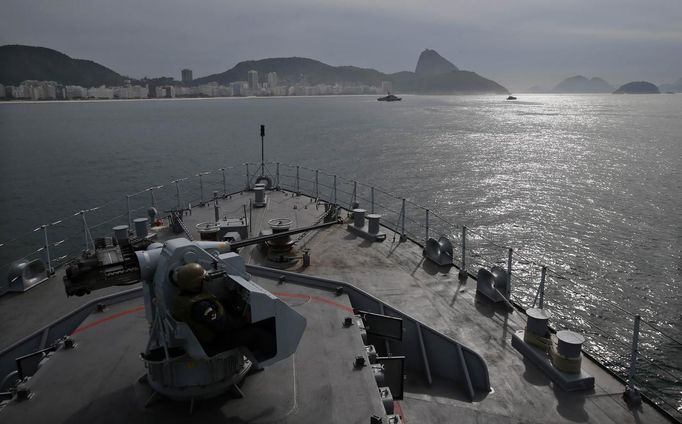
(333, 312)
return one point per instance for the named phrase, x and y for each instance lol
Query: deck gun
(260, 331)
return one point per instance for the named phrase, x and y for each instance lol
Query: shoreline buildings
(271, 85)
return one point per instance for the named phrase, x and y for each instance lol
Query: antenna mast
(262, 150)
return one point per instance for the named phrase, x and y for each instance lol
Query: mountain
(671, 88)
(296, 69)
(20, 63)
(580, 84)
(455, 82)
(434, 75)
(537, 89)
(430, 63)
(637, 87)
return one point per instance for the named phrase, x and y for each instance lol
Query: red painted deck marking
(108, 318)
(315, 298)
(399, 411)
(279, 294)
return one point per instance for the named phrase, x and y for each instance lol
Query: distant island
(637, 87)
(671, 88)
(580, 84)
(39, 73)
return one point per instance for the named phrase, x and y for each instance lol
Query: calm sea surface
(590, 185)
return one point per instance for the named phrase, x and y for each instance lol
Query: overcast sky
(518, 43)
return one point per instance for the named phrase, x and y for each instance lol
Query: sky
(518, 43)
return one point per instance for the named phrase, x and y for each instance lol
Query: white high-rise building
(236, 88)
(253, 80)
(272, 79)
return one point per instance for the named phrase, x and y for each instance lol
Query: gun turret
(239, 323)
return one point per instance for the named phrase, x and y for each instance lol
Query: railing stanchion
(402, 221)
(177, 192)
(334, 196)
(426, 224)
(298, 180)
(248, 177)
(50, 270)
(540, 295)
(216, 207)
(542, 286)
(631, 395)
(463, 266)
(509, 271)
(151, 194)
(86, 232)
(355, 194)
(201, 188)
(246, 217)
(224, 182)
(372, 199)
(317, 185)
(130, 213)
(277, 176)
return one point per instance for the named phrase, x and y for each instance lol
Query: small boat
(389, 98)
(511, 98)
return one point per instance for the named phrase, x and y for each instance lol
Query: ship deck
(99, 379)
(396, 272)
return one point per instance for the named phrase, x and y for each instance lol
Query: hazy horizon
(519, 45)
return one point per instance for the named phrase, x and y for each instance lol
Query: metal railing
(56, 241)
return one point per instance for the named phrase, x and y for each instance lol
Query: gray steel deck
(98, 380)
(397, 273)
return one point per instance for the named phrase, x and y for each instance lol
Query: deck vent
(260, 201)
(141, 227)
(121, 235)
(439, 251)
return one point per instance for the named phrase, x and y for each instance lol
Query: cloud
(159, 37)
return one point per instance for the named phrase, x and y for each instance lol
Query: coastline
(180, 98)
